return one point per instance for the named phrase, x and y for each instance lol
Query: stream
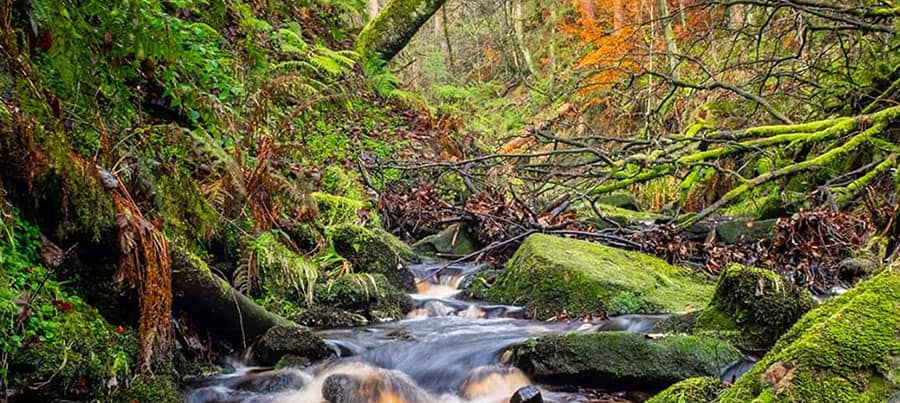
(445, 350)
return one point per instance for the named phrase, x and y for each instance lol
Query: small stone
(338, 388)
(527, 394)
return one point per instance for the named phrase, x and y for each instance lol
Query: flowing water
(446, 350)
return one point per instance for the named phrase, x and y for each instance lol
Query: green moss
(152, 390)
(372, 252)
(187, 214)
(676, 323)
(368, 294)
(338, 181)
(618, 215)
(694, 390)
(844, 350)
(622, 358)
(335, 210)
(284, 273)
(752, 307)
(550, 275)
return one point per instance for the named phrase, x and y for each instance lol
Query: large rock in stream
(375, 251)
(550, 275)
(621, 359)
(845, 350)
(367, 294)
(751, 308)
(294, 340)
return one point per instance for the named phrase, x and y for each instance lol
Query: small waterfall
(447, 350)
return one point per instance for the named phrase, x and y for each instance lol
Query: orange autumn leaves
(605, 27)
(622, 37)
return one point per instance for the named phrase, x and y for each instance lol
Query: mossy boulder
(745, 230)
(326, 317)
(288, 339)
(74, 355)
(621, 358)
(677, 323)
(454, 240)
(702, 389)
(367, 294)
(752, 307)
(845, 350)
(624, 200)
(373, 252)
(611, 216)
(550, 275)
(145, 389)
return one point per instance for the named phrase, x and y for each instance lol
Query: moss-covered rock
(745, 230)
(702, 389)
(372, 252)
(288, 339)
(146, 389)
(367, 294)
(612, 216)
(76, 355)
(621, 359)
(454, 240)
(326, 317)
(624, 200)
(752, 307)
(845, 350)
(677, 323)
(550, 275)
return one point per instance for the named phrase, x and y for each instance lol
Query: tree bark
(372, 6)
(394, 26)
(215, 304)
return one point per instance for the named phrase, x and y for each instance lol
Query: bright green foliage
(551, 275)
(845, 350)
(334, 210)
(61, 339)
(621, 358)
(694, 390)
(282, 272)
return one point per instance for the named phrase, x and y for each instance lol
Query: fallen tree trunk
(211, 301)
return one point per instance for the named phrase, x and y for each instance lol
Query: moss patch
(621, 358)
(694, 390)
(752, 307)
(372, 252)
(845, 350)
(367, 294)
(550, 275)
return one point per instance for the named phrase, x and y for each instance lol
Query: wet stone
(527, 394)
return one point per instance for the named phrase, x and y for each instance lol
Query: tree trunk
(215, 304)
(669, 38)
(519, 27)
(394, 26)
(372, 6)
(618, 14)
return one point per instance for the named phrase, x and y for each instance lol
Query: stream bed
(445, 350)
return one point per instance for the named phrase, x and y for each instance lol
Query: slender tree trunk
(372, 6)
(519, 27)
(618, 14)
(395, 25)
(669, 38)
(588, 10)
(446, 28)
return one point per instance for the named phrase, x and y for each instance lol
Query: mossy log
(215, 304)
(395, 26)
